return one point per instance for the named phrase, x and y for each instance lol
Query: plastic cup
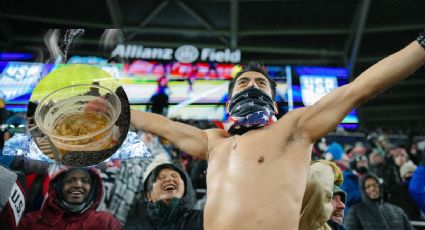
(64, 117)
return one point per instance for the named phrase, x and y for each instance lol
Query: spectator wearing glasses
(372, 212)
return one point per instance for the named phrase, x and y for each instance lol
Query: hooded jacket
(375, 214)
(178, 215)
(53, 216)
(351, 187)
(316, 209)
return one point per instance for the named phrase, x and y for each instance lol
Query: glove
(337, 171)
(421, 39)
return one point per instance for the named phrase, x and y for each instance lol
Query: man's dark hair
(252, 67)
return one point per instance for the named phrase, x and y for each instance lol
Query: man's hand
(97, 105)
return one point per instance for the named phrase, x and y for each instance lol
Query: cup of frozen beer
(64, 117)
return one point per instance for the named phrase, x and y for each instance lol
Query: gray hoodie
(375, 214)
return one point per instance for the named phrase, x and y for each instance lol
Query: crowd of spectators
(378, 163)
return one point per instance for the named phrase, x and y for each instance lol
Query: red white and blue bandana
(249, 109)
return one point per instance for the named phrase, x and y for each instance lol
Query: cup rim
(74, 138)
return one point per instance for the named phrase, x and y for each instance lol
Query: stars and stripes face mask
(249, 109)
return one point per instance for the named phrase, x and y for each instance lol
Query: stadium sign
(184, 54)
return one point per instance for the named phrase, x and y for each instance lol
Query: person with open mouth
(168, 202)
(73, 197)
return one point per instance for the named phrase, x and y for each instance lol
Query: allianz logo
(184, 54)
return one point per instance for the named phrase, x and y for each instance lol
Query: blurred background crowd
(396, 160)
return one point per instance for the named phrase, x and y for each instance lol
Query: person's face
(400, 157)
(400, 160)
(338, 209)
(250, 79)
(372, 188)
(76, 186)
(376, 159)
(168, 185)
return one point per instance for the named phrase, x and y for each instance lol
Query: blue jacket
(417, 187)
(351, 187)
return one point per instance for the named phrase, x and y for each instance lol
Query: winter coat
(351, 186)
(53, 216)
(375, 214)
(401, 197)
(178, 215)
(417, 187)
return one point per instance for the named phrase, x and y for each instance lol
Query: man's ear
(276, 111)
(148, 196)
(227, 106)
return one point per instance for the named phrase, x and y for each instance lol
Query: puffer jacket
(375, 214)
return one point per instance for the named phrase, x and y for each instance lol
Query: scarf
(75, 208)
(166, 217)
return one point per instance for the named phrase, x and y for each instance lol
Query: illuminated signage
(183, 54)
(314, 87)
(18, 79)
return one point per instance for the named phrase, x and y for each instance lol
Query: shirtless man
(256, 180)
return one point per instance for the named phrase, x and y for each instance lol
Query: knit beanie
(338, 191)
(406, 168)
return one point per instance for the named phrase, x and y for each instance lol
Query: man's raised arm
(322, 117)
(192, 140)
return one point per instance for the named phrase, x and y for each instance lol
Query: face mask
(249, 109)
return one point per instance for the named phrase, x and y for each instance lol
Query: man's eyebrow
(242, 78)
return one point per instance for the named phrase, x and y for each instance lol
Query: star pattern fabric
(249, 109)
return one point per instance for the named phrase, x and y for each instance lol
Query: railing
(418, 223)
